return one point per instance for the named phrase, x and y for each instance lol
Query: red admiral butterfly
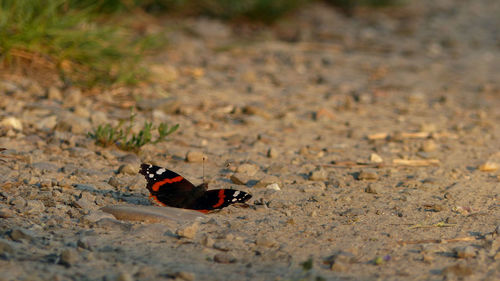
(168, 188)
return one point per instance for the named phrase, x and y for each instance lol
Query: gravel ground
(370, 145)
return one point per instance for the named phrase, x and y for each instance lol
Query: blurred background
(104, 42)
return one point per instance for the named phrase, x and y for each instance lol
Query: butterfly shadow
(128, 197)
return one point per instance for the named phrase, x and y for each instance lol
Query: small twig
(351, 164)
(439, 224)
(438, 241)
(410, 135)
(395, 163)
(378, 136)
(416, 162)
(415, 135)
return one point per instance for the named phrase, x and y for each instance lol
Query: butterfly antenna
(203, 169)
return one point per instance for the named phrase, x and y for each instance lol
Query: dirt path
(381, 131)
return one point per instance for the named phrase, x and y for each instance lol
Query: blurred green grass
(91, 42)
(84, 46)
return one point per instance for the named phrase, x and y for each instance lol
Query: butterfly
(168, 188)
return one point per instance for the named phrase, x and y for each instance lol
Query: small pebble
(375, 158)
(6, 213)
(464, 252)
(258, 111)
(488, 167)
(314, 187)
(267, 180)
(34, 207)
(272, 153)
(18, 235)
(195, 157)
(130, 169)
(427, 258)
(222, 246)
(88, 243)
(6, 246)
(47, 123)
(248, 169)
(353, 212)
(98, 118)
(130, 159)
(74, 124)
(207, 241)
(428, 127)
(459, 270)
(430, 180)
(273, 186)
(85, 204)
(340, 260)
(318, 175)
(304, 151)
(188, 231)
(18, 202)
(108, 155)
(265, 242)
(54, 94)
(365, 175)
(323, 114)
(434, 207)
(80, 152)
(45, 167)
(116, 182)
(224, 258)
(12, 123)
(428, 146)
(68, 257)
(184, 275)
(124, 276)
(451, 220)
(73, 97)
(373, 189)
(240, 178)
(81, 111)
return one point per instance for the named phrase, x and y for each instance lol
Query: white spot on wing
(234, 200)
(151, 175)
(236, 193)
(160, 171)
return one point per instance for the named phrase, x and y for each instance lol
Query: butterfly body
(168, 188)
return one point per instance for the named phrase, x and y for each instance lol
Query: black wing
(219, 198)
(159, 178)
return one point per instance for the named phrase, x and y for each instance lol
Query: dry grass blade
(353, 164)
(410, 135)
(416, 162)
(438, 241)
(378, 136)
(439, 224)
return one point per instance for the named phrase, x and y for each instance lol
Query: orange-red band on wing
(157, 185)
(221, 199)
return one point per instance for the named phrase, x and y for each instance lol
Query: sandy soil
(381, 130)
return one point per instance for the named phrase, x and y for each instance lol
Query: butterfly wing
(169, 188)
(219, 198)
(159, 178)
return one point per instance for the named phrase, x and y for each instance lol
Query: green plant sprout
(125, 139)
